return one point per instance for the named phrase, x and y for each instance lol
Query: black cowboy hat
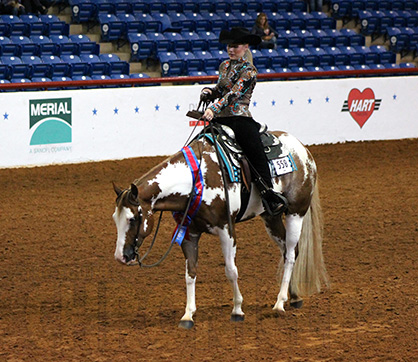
(238, 36)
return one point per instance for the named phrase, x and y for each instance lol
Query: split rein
(189, 201)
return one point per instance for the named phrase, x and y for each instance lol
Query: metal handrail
(212, 78)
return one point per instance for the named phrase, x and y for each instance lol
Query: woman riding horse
(237, 79)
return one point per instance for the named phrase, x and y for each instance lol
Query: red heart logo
(361, 105)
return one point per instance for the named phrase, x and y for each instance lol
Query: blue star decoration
(310, 100)
(273, 103)
(326, 99)
(254, 104)
(157, 107)
(94, 112)
(177, 107)
(291, 102)
(136, 109)
(116, 110)
(6, 116)
(395, 97)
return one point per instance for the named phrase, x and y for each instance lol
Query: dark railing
(212, 79)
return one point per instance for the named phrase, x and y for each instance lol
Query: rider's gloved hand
(206, 94)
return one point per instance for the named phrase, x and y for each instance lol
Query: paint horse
(167, 187)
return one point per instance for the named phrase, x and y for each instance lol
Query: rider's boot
(274, 202)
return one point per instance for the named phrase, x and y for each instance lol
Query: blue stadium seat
(314, 57)
(130, 23)
(45, 44)
(96, 65)
(208, 62)
(174, 6)
(344, 58)
(177, 41)
(103, 7)
(171, 65)
(17, 69)
(191, 41)
(57, 67)
(15, 25)
(65, 45)
(111, 27)
(221, 55)
(77, 66)
(124, 6)
(385, 56)
(323, 38)
(262, 59)
(271, 54)
(297, 59)
(246, 20)
(36, 25)
(116, 65)
(306, 39)
(329, 57)
(85, 45)
(55, 26)
(161, 43)
(194, 21)
(20, 80)
(191, 63)
(356, 7)
(141, 47)
(298, 5)
(82, 10)
(7, 47)
(177, 19)
(147, 23)
(209, 38)
(282, 59)
(38, 67)
(354, 39)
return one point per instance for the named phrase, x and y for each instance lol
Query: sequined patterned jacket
(237, 79)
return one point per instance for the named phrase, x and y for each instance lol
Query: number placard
(283, 165)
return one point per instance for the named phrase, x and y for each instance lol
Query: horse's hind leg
(190, 251)
(231, 271)
(277, 232)
(293, 231)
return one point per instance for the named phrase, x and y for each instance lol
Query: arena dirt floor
(64, 298)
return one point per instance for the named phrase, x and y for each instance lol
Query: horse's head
(134, 222)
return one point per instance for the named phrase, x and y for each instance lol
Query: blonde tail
(309, 272)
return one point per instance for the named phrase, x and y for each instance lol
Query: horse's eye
(132, 220)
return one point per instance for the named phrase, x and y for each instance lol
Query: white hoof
(279, 307)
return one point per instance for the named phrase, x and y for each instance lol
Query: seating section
(183, 36)
(396, 20)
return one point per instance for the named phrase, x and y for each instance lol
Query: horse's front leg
(231, 271)
(293, 231)
(190, 251)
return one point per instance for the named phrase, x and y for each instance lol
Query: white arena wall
(50, 127)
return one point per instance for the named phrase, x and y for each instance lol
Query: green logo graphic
(50, 120)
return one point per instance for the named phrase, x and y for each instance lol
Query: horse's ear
(117, 189)
(134, 191)
(133, 195)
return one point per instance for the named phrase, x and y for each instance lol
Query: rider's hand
(208, 115)
(205, 94)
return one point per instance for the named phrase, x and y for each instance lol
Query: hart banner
(41, 128)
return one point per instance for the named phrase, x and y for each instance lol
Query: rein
(189, 202)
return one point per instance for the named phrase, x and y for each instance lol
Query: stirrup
(274, 203)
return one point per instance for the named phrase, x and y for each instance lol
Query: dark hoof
(298, 304)
(237, 318)
(186, 324)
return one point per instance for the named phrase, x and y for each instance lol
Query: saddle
(234, 160)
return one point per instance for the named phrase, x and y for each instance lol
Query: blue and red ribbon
(182, 231)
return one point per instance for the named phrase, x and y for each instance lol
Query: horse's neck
(166, 186)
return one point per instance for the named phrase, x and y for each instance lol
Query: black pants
(247, 135)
